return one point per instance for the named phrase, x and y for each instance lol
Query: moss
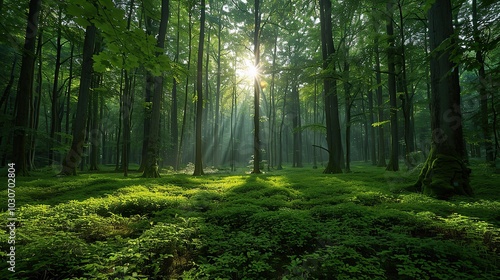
(444, 176)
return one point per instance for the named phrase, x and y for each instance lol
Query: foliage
(295, 224)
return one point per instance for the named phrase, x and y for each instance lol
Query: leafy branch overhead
(123, 48)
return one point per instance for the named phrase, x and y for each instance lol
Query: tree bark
(333, 134)
(151, 169)
(483, 92)
(25, 90)
(444, 173)
(391, 57)
(198, 164)
(380, 105)
(256, 86)
(55, 122)
(74, 156)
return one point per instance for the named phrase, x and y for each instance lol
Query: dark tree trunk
(186, 90)
(74, 156)
(94, 132)
(348, 106)
(282, 124)
(216, 144)
(333, 134)
(174, 125)
(256, 86)
(198, 165)
(70, 83)
(444, 173)
(373, 153)
(25, 91)
(126, 119)
(391, 57)
(151, 169)
(297, 134)
(483, 92)
(380, 105)
(55, 122)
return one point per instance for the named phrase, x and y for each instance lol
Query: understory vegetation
(288, 224)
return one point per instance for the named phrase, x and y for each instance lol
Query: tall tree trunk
(174, 125)
(272, 109)
(216, 145)
(126, 119)
(405, 97)
(186, 90)
(371, 119)
(55, 122)
(198, 164)
(151, 168)
(256, 86)
(483, 92)
(348, 106)
(333, 134)
(391, 57)
(282, 124)
(74, 156)
(444, 173)
(35, 102)
(95, 125)
(380, 105)
(297, 147)
(70, 83)
(25, 90)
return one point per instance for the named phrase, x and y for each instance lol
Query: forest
(225, 139)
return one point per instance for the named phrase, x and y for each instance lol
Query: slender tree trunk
(25, 91)
(297, 147)
(95, 124)
(198, 165)
(348, 106)
(35, 103)
(444, 173)
(55, 124)
(151, 169)
(256, 86)
(380, 105)
(74, 156)
(333, 134)
(283, 115)
(391, 56)
(373, 153)
(272, 109)
(70, 83)
(216, 145)
(483, 92)
(10, 83)
(405, 97)
(186, 91)
(174, 125)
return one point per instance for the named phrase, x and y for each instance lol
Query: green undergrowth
(289, 224)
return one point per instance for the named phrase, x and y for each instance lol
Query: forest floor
(288, 224)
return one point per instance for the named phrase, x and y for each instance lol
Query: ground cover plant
(288, 224)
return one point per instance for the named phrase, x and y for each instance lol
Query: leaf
(377, 124)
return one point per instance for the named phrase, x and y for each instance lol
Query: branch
(316, 146)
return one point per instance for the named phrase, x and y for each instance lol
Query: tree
(333, 136)
(151, 168)
(391, 56)
(25, 89)
(256, 86)
(198, 165)
(74, 156)
(444, 173)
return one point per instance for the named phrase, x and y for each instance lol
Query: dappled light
(287, 139)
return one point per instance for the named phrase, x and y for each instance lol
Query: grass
(289, 224)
